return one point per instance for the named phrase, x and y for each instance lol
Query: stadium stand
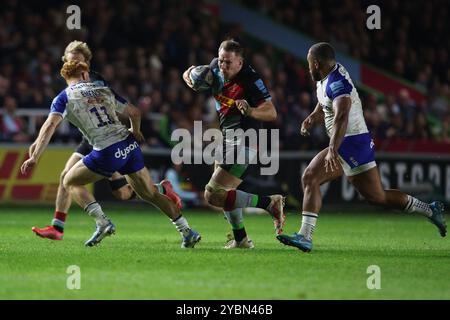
(146, 66)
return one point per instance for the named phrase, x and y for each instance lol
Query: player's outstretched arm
(264, 112)
(186, 77)
(316, 116)
(38, 147)
(134, 114)
(31, 149)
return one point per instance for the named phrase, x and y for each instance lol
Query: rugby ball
(201, 77)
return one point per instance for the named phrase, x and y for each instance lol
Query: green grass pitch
(144, 259)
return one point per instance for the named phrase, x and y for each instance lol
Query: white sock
(182, 225)
(94, 210)
(309, 220)
(415, 205)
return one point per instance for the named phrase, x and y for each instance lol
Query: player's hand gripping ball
(201, 78)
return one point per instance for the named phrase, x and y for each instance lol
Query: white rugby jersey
(338, 84)
(91, 107)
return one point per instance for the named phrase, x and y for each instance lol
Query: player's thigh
(315, 172)
(224, 178)
(74, 158)
(368, 184)
(79, 174)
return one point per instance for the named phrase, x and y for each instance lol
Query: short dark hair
(323, 51)
(231, 45)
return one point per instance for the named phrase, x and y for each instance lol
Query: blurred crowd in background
(412, 44)
(142, 48)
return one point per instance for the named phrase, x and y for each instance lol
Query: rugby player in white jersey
(350, 151)
(92, 108)
(78, 50)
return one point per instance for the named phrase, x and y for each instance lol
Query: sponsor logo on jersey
(224, 101)
(124, 152)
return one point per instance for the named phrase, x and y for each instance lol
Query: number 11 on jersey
(101, 123)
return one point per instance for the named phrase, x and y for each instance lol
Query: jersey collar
(332, 70)
(78, 83)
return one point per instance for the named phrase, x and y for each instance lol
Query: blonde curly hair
(73, 69)
(78, 47)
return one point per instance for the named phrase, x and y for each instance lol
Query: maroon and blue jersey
(246, 85)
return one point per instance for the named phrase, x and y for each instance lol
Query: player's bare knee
(66, 181)
(68, 186)
(215, 194)
(208, 196)
(61, 188)
(62, 176)
(213, 198)
(308, 178)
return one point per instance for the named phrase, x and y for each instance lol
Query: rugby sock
(240, 199)
(262, 202)
(181, 225)
(94, 210)
(309, 220)
(239, 234)
(160, 188)
(235, 219)
(415, 205)
(58, 221)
